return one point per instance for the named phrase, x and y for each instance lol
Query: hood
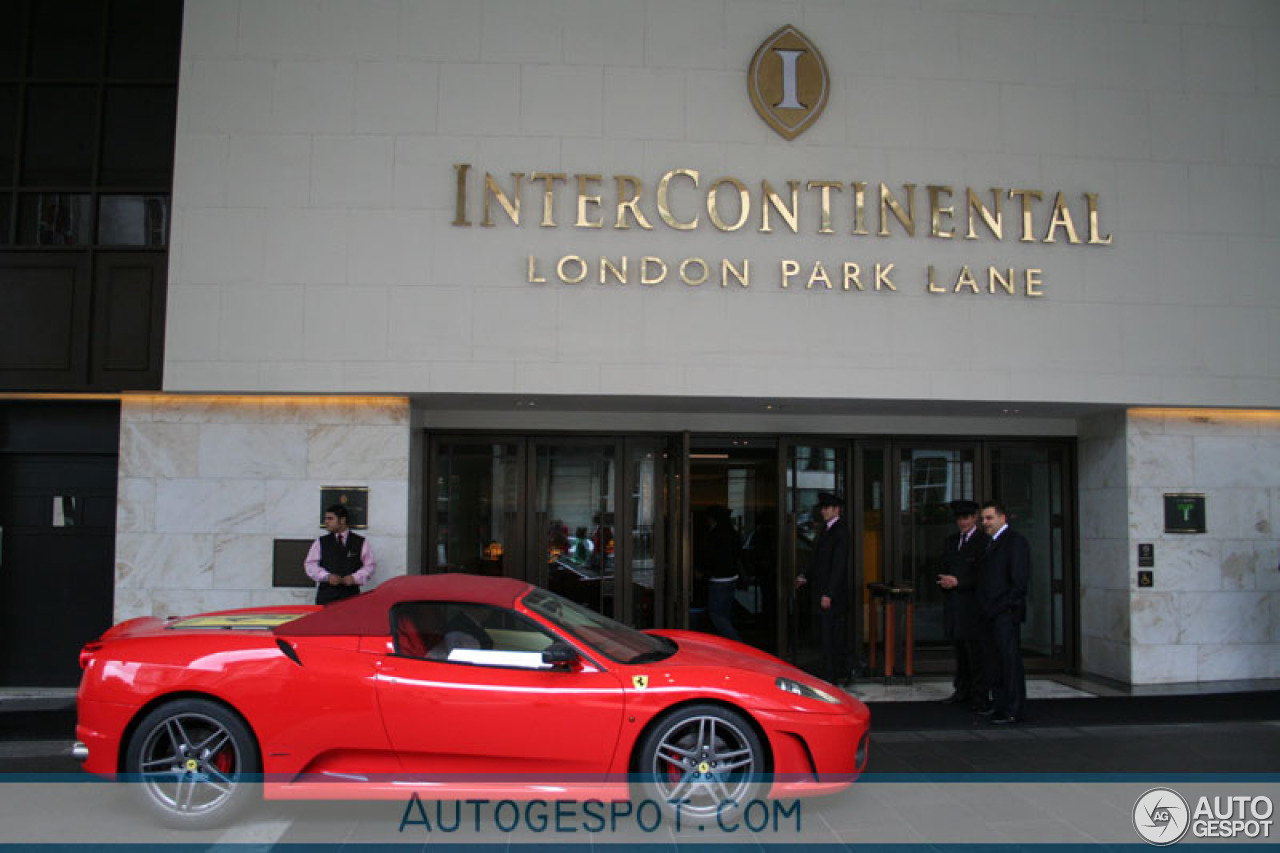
(700, 649)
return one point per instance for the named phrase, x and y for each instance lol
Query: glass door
(590, 518)
(929, 478)
(808, 470)
(733, 506)
(1031, 480)
(646, 519)
(477, 492)
(574, 524)
(870, 518)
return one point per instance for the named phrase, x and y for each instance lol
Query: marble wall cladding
(1108, 658)
(135, 505)
(1237, 662)
(1243, 513)
(207, 483)
(1161, 461)
(1212, 613)
(1103, 467)
(1105, 613)
(1153, 618)
(1104, 513)
(1184, 564)
(1104, 563)
(1240, 561)
(193, 505)
(1266, 574)
(1225, 617)
(160, 450)
(164, 561)
(1102, 463)
(1164, 664)
(377, 452)
(252, 450)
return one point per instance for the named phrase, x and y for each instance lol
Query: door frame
(1068, 656)
(673, 584)
(847, 473)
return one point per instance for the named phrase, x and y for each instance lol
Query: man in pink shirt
(340, 561)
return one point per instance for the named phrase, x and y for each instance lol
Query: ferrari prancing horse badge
(639, 682)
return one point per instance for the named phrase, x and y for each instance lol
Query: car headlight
(786, 685)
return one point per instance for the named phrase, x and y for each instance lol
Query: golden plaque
(788, 82)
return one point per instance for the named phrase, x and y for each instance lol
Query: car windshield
(612, 639)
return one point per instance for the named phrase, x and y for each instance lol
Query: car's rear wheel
(193, 763)
(704, 761)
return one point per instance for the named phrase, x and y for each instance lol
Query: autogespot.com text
(443, 817)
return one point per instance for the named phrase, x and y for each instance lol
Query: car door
(486, 704)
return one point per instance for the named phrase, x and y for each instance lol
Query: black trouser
(831, 633)
(1002, 654)
(326, 593)
(971, 679)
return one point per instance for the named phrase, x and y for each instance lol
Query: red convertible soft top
(366, 614)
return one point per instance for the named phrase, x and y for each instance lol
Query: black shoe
(954, 699)
(1003, 720)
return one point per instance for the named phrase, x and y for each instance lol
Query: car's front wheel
(704, 761)
(193, 763)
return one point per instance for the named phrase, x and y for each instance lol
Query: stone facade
(314, 250)
(1213, 611)
(314, 244)
(207, 483)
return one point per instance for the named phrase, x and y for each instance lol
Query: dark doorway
(733, 505)
(57, 522)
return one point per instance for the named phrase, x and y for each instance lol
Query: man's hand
(948, 581)
(825, 602)
(349, 580)
(334, 580)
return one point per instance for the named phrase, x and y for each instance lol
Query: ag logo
(788, 82)
(639, 682)
(1161, 816)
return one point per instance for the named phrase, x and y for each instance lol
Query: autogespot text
(770, 817)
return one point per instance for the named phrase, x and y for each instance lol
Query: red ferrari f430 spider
(451, 686)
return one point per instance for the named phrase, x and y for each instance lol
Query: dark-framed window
(88, 116)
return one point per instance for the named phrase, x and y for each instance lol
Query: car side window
(468, 634)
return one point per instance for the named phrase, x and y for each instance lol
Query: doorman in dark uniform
(959, 581)
(1003, 575)
(341, 561)
(828, 579)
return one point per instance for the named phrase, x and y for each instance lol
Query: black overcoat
(960, 605)
(829, 571)
(1004, 572)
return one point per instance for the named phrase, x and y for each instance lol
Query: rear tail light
(87, 653)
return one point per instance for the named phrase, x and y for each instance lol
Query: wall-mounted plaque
(1146, 579)
(287, 557)
(354, 498)
(1184, 513)
(1146, 555)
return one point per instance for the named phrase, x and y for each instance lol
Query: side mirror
(559, 655)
